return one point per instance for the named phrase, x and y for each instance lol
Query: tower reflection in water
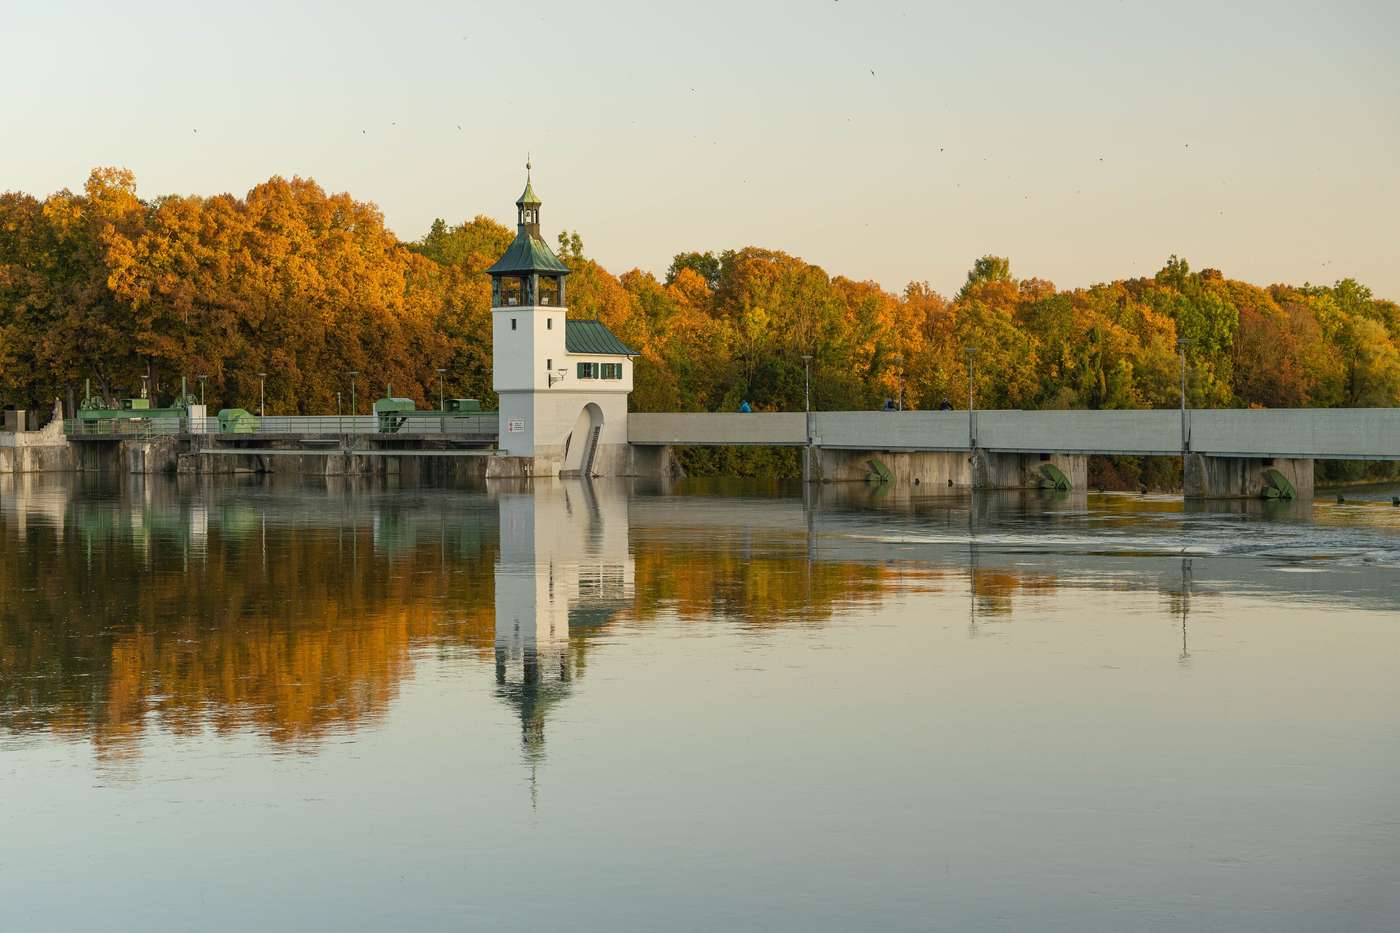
(564, 566)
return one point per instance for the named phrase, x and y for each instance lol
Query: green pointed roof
(528, 253)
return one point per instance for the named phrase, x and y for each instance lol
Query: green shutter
(580, 370)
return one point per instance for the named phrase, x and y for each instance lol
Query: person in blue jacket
(745, 407)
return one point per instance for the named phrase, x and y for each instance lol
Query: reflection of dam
(293, 609)
(1122, 538)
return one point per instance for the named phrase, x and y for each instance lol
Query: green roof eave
(528, 253)
(593, 337)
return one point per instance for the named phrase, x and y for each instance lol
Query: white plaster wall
(519, 357)
(548, 417)
(516, 407)
(522, 360)
(602, 385)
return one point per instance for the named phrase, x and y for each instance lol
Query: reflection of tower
(564, 569)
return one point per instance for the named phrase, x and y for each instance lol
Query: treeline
(307, 286)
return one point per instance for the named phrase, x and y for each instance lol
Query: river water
(280, 706)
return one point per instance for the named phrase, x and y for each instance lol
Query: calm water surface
(280, 706)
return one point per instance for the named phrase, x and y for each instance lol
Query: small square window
(549, 323)
(512, 323)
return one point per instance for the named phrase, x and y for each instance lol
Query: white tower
(562, 384)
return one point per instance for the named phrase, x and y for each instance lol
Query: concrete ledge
(719, 429)
(1318, 433)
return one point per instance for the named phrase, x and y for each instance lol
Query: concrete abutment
(1209, 477)
(956, 469)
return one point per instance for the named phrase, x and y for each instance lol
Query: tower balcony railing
(515, 301)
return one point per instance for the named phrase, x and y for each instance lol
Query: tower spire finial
(528, 166)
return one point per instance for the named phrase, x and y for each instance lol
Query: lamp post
(202, 378)
(898, 361)
(807, 408)
(1181, 343)
(262, 395)
(442, 399)
(971, 353)
(353, 412)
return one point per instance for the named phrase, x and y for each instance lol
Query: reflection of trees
(995, 589)
(766, 579)
(296, 615)
(288, 631)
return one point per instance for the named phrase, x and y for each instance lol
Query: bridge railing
(453, 424)
(135, 427)
(1316, 433)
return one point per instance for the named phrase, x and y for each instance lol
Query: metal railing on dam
(1317, 433)
(470, 425)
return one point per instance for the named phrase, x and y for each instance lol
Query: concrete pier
(995, 470)
(980, 469)
(1209, 477)
(44, 451)
(930, 469)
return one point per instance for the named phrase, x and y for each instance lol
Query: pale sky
(1085, 140)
